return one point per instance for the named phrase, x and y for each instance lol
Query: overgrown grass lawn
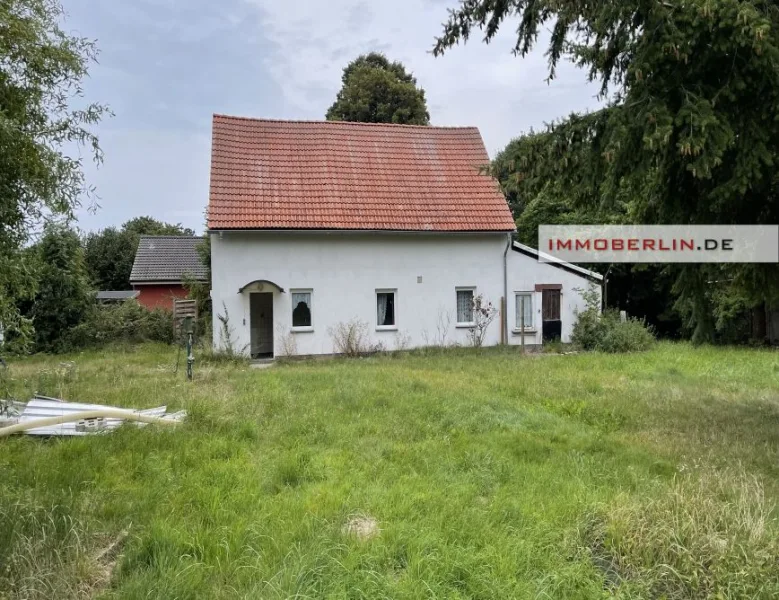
(486, 474)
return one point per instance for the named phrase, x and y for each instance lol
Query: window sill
(386, 328)
(465, 325)
(301, 329)
(528, 331)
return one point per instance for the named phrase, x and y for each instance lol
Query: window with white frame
(465, 306)
(301, 309)
(385, 309)
(524, 302)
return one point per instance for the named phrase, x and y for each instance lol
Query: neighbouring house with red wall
(162, 263)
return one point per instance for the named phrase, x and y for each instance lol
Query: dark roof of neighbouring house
(116, 294)
(269, 174)
(167, 258)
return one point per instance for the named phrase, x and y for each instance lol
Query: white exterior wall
(344, 270)
(524, 272)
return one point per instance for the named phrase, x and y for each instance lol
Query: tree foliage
(200, 291)
(110, 252)
(124, 323)
(109, 256)
(689, 135)
(41, 70)
(151, 226)
(63, 297)
(376, 90)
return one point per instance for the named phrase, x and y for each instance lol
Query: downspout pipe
(505, 320)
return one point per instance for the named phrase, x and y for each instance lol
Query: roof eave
(343, 230)
(560, 264)
(164, 281)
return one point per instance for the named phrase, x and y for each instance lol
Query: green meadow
(432, 474)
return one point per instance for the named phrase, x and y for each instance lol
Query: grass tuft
(713, 535)
(45, 553)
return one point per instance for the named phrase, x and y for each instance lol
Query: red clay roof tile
(335, 175)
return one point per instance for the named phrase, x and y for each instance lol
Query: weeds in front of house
(554, 346)
(286, 344)
(351, 339)
(207, 355)
(484, 313)
(439, 338)
(228, 350)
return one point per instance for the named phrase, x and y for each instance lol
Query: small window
(524, 300)
(465, 306)
(301, 309)
(385, 308)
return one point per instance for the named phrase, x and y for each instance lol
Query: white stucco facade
(525, 273)
(343, 271)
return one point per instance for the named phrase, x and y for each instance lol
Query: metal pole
(503, 321)
(190, 356)
(522, 322)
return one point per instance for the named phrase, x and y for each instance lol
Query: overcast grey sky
(167, 65)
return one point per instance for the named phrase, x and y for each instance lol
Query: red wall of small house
(160, 296)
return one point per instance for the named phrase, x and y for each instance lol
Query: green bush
(588, 330)
(607, 332)
(127, 322)
(631, 335)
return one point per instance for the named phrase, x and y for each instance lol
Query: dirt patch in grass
(361, 527)
(106, 560)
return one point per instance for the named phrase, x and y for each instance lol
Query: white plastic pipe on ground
(114, 413)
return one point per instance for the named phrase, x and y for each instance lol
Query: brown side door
(550, 303)
(550, 314)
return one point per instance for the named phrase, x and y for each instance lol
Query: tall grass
(709, 536)
(478, 473)
(45, 553)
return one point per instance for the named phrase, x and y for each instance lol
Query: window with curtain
(464, 306)
(385, 309)
(301, 309)
(527, 299)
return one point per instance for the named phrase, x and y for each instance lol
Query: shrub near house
(607, 332)
(127, 322)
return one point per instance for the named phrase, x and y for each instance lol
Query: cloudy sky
(167, 65)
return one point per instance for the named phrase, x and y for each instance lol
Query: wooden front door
(261, 324)
(550, 314)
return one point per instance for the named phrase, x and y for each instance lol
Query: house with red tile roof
(391, 230)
